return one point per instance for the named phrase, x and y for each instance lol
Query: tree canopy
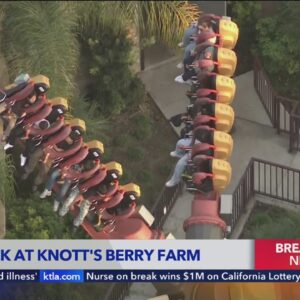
(279, 44)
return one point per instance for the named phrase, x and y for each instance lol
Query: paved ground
(253, 136)
(157, 53)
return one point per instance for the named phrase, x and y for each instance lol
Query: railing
(283, 112)
(242, 194)
(267, 179)
(260, 177)
(276, 181)
(265, 91)
(164, 204)
(295, 128)
(160, 211)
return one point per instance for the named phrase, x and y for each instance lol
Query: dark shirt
(64, 145)
(126, 202)
(101, 189)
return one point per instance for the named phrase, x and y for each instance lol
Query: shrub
(127, 176)
(143, 127)
(121, 140)
(144, 176)
(278, 44)
(272, 222)
(31, 218)
(112, 85)
(134, 153)
(245, 14)
(165, 170)
(38, 38)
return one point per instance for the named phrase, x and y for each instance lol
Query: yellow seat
(60, 101)
(226, 89)
(132, 187)
(224, 117)
(227, 61)
(113, 165)
(224, 145)
(229, 33)
(96, 145)
(41, 79)
(77, 123)
(221, 170)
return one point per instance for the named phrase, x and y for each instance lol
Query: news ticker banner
(106, 276)
(151, 254)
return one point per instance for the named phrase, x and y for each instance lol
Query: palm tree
(164, 20)
(38, 38)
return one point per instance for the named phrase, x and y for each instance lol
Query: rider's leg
(178, 171)
(61, 194)
(84, 210)
(32, 162)
(68, 201)
(50, 183)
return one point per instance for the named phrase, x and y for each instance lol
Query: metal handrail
(246, 189)
(281, 110)
(164, 204)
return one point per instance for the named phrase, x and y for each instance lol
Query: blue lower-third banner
(81, 276)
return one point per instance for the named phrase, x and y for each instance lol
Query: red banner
(277, 254)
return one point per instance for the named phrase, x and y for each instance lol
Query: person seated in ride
(77, 130)
(203, 80)
(183, 152)
(194, 69)
(74, 174)
(11, 112)
(19, 111)
(100, 192)
(18, 83)
(129, 198)
(188, 42)
(189, 69)
(59, 108)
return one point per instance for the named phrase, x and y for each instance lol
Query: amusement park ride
(89, 188)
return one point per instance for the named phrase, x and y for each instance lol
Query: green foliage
(165, 170)
(144, 176)
(121, 141)
(112, 85)
(38, 38)
(245, 14)
(278, 44)
(7, 190)
(127, 176)
(143, 127)
(272, 222)
(33, 218)
(163, 20)
(96, 127)
(135, 153)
